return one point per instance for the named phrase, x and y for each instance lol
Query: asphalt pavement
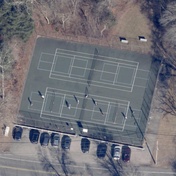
(26, 159)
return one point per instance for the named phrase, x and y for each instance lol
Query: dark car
(101, 150)
(55, 138)
(126, 153)
(34, 136)
(44, 139)
(85, 145)
(17, 133)
(66, 142)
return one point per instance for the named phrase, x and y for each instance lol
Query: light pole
(132, 115)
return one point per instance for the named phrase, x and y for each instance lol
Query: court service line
(43, 102)
(107, 113)
(90, 54)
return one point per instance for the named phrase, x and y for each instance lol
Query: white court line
(47, 62)
(139, 86)
(107, 113)
(43, 53)
(46, 99)
(97, 85)
(54, 60)
(123, 124)
(40, 59)
(62, 106)
(62, 102)
(43, 102)
(92, 55)
(134, 78)
(43, 69)
(141, 78)
(104, 59)
(71, 64)
(127, 108)
(34, 109)
(144, 70)
(129, 87)
(91, 95)
(92, 113)
(88, 69)
(116, 74)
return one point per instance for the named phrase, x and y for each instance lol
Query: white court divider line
(134, 77)
(116, 74)
(43, 102)
(107, 113)
(71, 65)
(66, 51)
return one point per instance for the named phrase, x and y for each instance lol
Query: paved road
(12, 165)
(26, 159)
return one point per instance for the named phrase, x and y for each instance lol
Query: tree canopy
(15, 21)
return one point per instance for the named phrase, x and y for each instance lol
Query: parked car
(66, 142)
(101, 150)
(55, 138)
(34, 136)
(44, 139)
(126, 153)
(17, 133)
(85, 145)
(116, 152)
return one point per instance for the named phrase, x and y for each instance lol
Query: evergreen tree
(15, 21)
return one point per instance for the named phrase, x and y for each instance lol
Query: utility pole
(132, 115)
(2, 71)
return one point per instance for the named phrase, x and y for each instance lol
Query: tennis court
(89, 91)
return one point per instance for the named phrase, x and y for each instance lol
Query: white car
(116, 152)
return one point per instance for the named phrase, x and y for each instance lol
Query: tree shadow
(46, 163)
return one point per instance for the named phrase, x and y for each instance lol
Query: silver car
(116, 152)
